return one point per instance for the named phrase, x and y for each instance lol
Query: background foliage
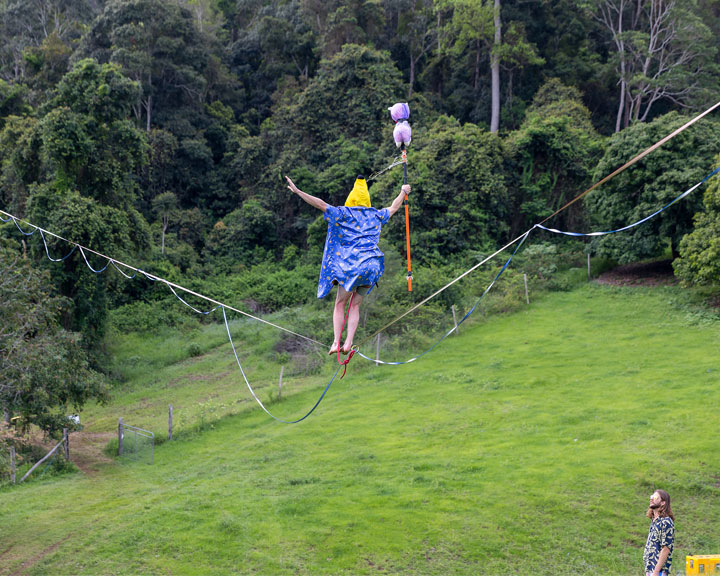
(159, 132)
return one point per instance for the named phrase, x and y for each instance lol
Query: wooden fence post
(377, 351)
(170, 415)
(454, 318)
(13, 469)
(41, 461)
(120, 436)
(66, 441)
(588, 266)
(282, 369)
(527, 295)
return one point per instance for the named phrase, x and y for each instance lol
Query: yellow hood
(359, 195)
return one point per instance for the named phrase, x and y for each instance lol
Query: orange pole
(407, 221)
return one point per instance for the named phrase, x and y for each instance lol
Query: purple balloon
(402, 133)
(399, 111)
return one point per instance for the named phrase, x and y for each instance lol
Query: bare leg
(338, 317)
(352, 322)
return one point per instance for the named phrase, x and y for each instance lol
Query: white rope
(448, 285)
(155, 278)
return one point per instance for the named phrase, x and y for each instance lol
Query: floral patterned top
(351, 257)
(662, 533)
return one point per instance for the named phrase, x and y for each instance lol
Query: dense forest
(159, 132)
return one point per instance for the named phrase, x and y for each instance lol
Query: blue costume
(351, 257)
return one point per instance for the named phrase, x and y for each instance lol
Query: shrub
(152, 316)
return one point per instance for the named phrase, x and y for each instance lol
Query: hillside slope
(530, 442)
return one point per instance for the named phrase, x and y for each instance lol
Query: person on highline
(351, 259)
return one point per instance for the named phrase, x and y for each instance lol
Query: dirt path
(25, 566)
(87, 453)
(87, 450)
(640, 274)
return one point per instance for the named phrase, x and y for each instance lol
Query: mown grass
(528, 443)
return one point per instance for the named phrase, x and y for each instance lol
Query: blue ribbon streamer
(227, 327)
(47, 251)
(469, 312)
(88, 263)
(634, 224)
(21, 230)
(188, 305)
(121, 272)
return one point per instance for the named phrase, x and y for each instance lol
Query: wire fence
(135, 443)
(7, 470)
(20, 464)
(16, 465)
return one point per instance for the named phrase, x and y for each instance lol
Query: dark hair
(664, 510)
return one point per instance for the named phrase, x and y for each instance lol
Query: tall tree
(416, 31)
(183, 77)
(91, 155)
(40, 26)
(552, 157)
(341, 22)
(515, 54)
(495, 69)
(158, 45)
(471, 28)
(164, 205)
(276, 49)
(699, 261)
(663, 51)
(208, 16)
(476, 28)
(20, 163)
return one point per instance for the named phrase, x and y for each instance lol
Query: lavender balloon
(402, 133)
(399, 111)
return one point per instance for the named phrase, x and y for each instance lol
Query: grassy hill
(529, 443)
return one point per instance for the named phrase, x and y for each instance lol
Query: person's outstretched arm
(312, 200)
(395, 206)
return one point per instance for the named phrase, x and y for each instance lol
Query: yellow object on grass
(702, 564)
(359, 195)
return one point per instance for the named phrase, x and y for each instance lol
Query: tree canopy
(44, 372)
(652, 183)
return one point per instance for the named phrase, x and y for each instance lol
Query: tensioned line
(148, 275)
(593, 187)
(524, 237)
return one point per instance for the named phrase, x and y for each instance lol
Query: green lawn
(530, 443)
